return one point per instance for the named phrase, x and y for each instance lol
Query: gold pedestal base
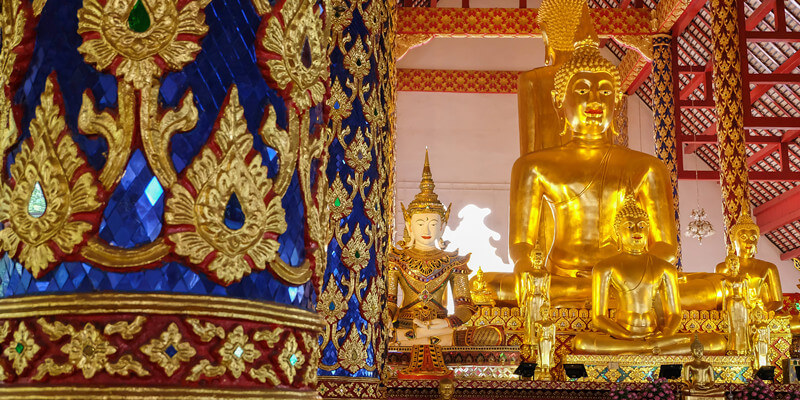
(641, 367)
(701, 397)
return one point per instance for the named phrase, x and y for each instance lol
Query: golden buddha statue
(759, 325)
(639, 280)
(539, 124)
(422, 271)
(763, 279)
(698, 375)
(482, 294)
(545, 336)
(736, 307)
(582, 182)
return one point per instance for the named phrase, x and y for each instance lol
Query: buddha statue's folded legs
(679, 344)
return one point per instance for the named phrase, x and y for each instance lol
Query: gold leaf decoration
(331, 304)
(301, 65)
(204, 367)
(312, 348)
(48, 163)
(125, 366)
(22, 349)
(214, 179)
(206, 332)
(139, 57)
(355, 253)
(88, 350)
(264, 373)
(157, 348)
(12, 23)
(270, 336)
(353, 353)
(125, 329)
(237, 350)
(291, 358)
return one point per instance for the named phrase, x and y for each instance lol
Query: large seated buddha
(582, 182)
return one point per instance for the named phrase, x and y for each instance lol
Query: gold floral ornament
(353, 353)
(331, 304)
(12, 25)
(215, 181)
(291, 358)
(169, 350)
(356, 253)
(87, 350)
(137, 39)
(22, 349)
(52, 185)
(237, 350)
(301, 63)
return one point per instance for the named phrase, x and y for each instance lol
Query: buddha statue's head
(697, 348)
(544, 311)
(537, 255)
(447, 389)
(587, 89)
(632, 226)
(744, 235)
(425, 216)
(732, 262)
(559, 20)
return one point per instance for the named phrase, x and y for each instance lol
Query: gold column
(729, 107)
(664, 118)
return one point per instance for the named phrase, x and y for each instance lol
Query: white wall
(473, 142)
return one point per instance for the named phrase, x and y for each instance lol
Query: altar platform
(487, 389)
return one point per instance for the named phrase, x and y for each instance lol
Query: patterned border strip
(156, 303)
(146, 393)
(108, 342)
(511, 21)
(434, 80)
(348, 388)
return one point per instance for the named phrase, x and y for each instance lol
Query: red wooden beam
(688, 15)
(643, 74)
(759, 14)
(779, 211)
(762, 154)
(791, 254)
(788, 136)
(774, 78)
(751, 122)
(772, 37)
(753, 176)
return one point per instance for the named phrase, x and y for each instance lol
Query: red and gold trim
(433, 80)
(330, 387)
(497, 22)
(115, 345)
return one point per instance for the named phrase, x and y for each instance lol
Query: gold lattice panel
(640, 368)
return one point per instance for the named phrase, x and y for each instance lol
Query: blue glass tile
(171, 351)
(234, 216)
(134, 211)
(292, 250)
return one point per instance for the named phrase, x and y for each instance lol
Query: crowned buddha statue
(698, 375)
(759, 327)
(482, 294)
(545, 337)
(648, 311)
(422, 271)
(764, 282)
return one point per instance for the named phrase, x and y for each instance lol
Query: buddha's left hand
(434, 324)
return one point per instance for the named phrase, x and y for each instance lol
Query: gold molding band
(159, 303)
(348, 379)
(98, 252)
(141, 393)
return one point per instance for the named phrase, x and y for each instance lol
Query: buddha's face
(633, 233)
(746, 242)
(697, 351)
(589, 103)
(446, 389)
(426, 229)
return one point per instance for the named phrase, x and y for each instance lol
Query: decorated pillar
(728, 102)
(162, 198)
(361, 174)
(664, 118)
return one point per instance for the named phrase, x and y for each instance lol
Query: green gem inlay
(293, 359)
(19, 348)
(37, 204)
(358, 255)
(138, 19)
(337, 202)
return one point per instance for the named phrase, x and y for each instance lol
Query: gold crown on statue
(560, 19)
(586, 58)
(426, 201)
(745, 221)
(630, 209)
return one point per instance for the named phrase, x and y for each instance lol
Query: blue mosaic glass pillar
(664, 119)
(144, 171)
(360, 170)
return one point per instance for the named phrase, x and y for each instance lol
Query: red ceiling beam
(751, 122)
(790, 254)
(759, 14)
(753, 176)
(779, 211)
(688, 15)
(786, 68)
(787, 137)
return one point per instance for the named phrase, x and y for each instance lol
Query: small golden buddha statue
(482, 294)
(447, 388)
(736, 307)
(545, 336)
(638, 279)
(698, 375)
(759, 325)
(423, 271)
(763, 277)
(582, 182)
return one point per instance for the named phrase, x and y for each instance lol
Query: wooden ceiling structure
(770, 81)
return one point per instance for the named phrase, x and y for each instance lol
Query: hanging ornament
(699, 227)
